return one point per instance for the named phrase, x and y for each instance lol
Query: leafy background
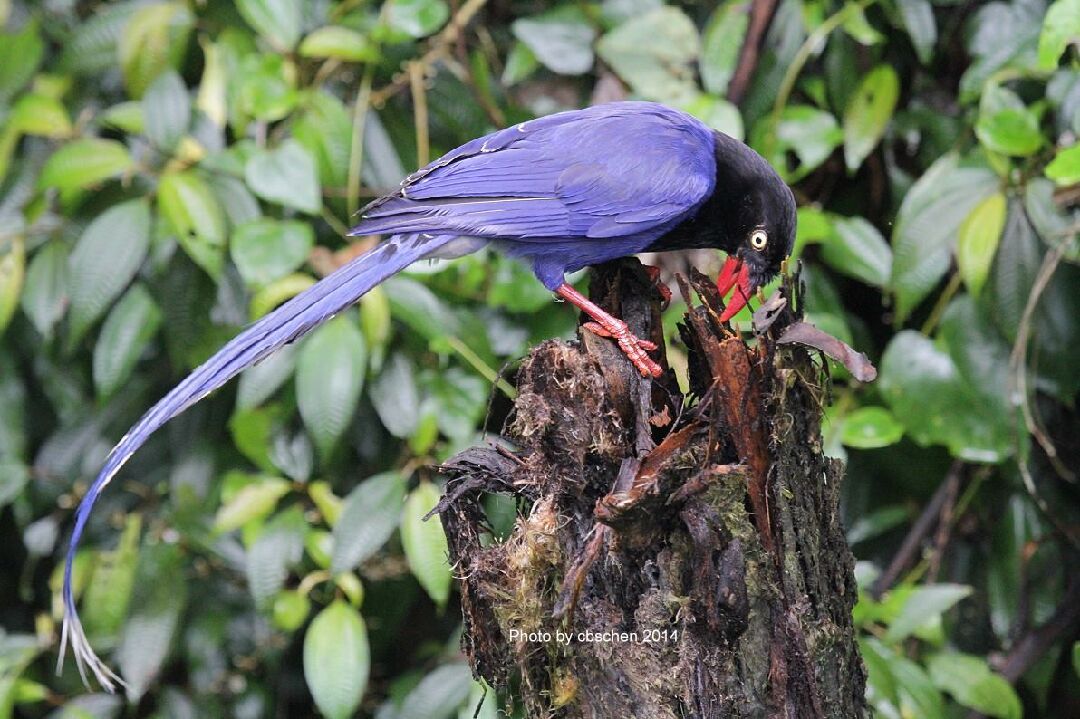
(171, 170)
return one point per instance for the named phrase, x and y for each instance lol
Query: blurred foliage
(171, 170)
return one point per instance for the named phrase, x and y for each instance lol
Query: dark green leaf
(258, 383)
(342, 43)
(653, 54)
(870, 428)
(417, 18)
(1061, 27)
(105, 603)
(723, 38)
(286, 176)
(439, 694)
(279, 21)
(425, 543)
(329, 377)
(930, 398)
(45, 294)
(560, 40)
(12, 268)
(20, 55)
(167, 110)
(924, 604)
(104, 261)
(159, 599)
(277, 547)
(969, 680)
(154, 39)
(1064, 169)
(867, 114)
(395, 395)
(195, 215)
(266, 249)
(927, 224)
(83, 163)
(978, 240)
(918, 18)
(130, 326)
(337, 660)
(857, 249)
(369, 515)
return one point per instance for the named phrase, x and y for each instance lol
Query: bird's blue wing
(608, 171)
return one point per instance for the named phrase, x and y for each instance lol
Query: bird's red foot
(604, 325)
(654, 276)
(633, 347)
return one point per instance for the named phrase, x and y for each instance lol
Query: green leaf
(166, 110)
(266, 88)
(927, 224)
(926, 393)
(810, 133)
(918, 695)
(286, 175)
(1064, 169)
(460, 400)
(425, 544)
(924, 604)
(981, 356)
(857, 249)
(324, 128)
(877, 523)
(12, 267)
(265, 250)
(13, 479)
(977, 243)
(83, 163)
(44, 297)
(277, 292)
(417, 18)
(195, 215)
(868, 112)
(1005, 125)
(212, 99)
(105, 603)
(160, 595)
(91, 48)
(722, 41)
(277, 547)
(128, 329)
(420, 308)
(369, 515)
(439, 694)
(341, 43)
(259, 382)
(561, 40)
(290, 611)
(521, 63)
(126, 116)
(857, 26)
(337, 660)
(1061, 26)
(279, 21)
(36, 114)
(969, 680)
(396, 397)
(871, 428)
(104, 261)
(154, 39)
(20, 55)
(880, 682)
(329, 378)
(918, 19)
(1076, 658)
(654, 52)
(254, 500)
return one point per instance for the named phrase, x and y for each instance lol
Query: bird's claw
(633, 347)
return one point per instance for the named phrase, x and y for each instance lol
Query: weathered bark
(704, 527)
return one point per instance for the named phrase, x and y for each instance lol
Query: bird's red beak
(735, 273)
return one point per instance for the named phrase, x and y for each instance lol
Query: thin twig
(420, 113)
(761, 14)
(919, 531)
(356, 151)
(438, 49)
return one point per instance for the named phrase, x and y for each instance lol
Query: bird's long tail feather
(285, 324)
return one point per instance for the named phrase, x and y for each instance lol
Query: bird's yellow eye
(759, 239)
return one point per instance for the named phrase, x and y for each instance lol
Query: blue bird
(560, 192)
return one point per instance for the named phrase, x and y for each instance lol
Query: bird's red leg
(605, 325)
(654, 276)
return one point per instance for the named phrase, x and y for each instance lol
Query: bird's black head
(758, 224)
(750, 216)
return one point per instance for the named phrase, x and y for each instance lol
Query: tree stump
(673, 556)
